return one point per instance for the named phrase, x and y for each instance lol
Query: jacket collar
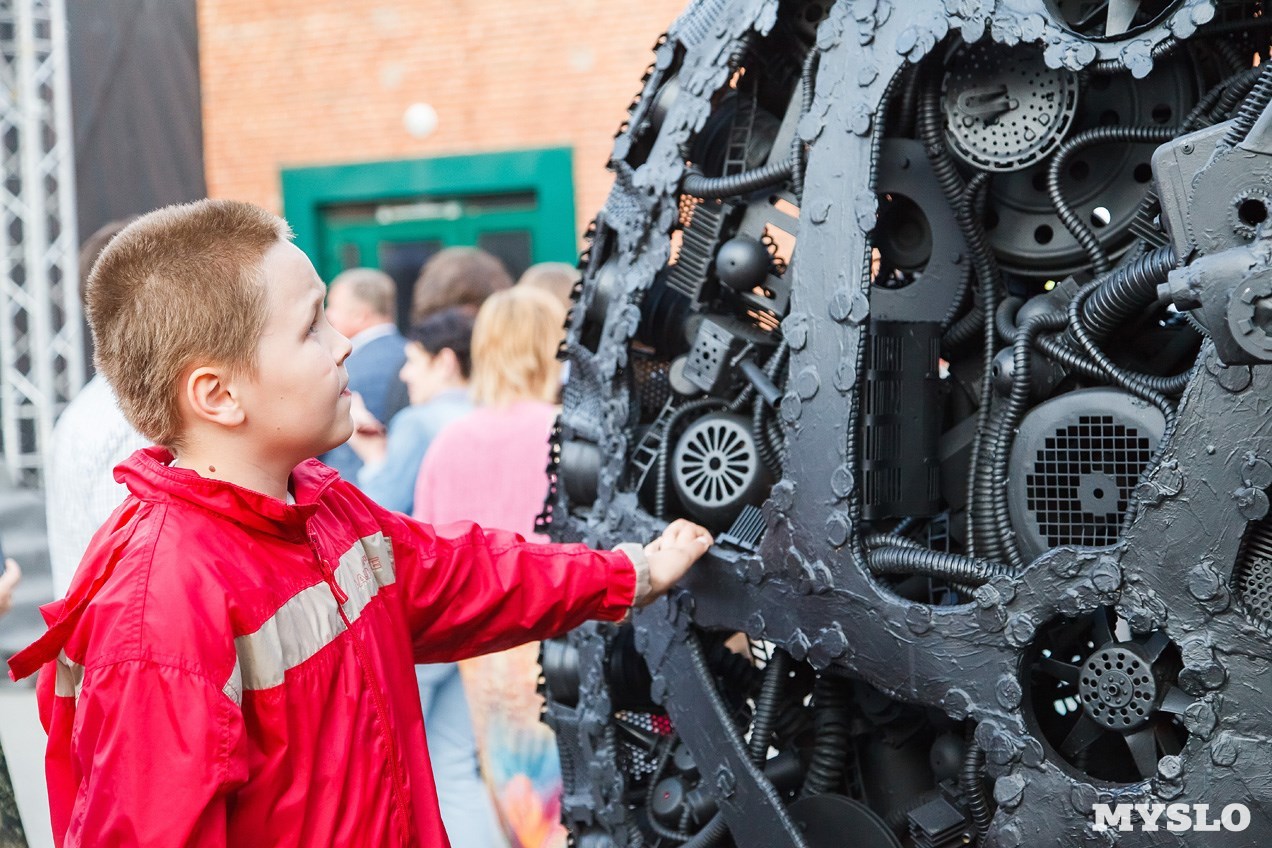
(149, 477)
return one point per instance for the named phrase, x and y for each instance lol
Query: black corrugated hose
(1228, 91)
(698, 185)
(1166, 46)
(1127, 292)
(982, 521)
(971, 782)
(775, 673)
(929, 563)
(949, 326)
(1097, 135)
(964, 200)
(990, 289)
(1131, 381)
(974, 321)
(711, 834)
(805, 105)
(1127, 380)
(1072, 359)
(1005, 318)
(1009, 417)
(1234, 93)
(760, 431)
(832, 735)
(660, 830)
(890, 540)
(1251, 107)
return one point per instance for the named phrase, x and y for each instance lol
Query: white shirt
(90, 439)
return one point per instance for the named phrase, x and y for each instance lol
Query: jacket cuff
(636, 553)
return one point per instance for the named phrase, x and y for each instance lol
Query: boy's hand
(671, 554)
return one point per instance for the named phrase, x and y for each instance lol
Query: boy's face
(297, 405)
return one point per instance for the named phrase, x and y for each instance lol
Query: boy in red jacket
(233, 663)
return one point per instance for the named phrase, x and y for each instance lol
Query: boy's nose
(344, 347)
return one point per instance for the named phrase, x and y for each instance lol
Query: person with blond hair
(556, 278)
(491, 463)
(490, 466)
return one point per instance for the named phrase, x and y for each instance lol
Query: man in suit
(362, 305)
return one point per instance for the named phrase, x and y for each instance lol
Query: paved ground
(23, 740)
(25, 539)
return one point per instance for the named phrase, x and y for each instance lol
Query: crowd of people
(452, 423)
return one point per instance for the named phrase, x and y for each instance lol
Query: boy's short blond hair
(179, 287)
(515, 341)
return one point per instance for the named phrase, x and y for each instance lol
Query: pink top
(489, 467)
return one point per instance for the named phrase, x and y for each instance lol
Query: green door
(395, 215)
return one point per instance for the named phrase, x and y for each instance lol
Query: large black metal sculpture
(952, 319)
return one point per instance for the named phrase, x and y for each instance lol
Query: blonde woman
(489, 467)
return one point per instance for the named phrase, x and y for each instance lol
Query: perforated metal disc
(1004, 108)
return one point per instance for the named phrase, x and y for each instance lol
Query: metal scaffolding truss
(41, 342)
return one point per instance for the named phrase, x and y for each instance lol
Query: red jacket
(229, 669)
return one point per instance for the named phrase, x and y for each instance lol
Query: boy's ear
(211, 397)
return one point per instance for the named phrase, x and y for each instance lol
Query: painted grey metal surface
(943, 643)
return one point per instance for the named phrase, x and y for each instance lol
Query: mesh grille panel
(652, 386)
(1252, 576)
(635, 759)
(1082, 479)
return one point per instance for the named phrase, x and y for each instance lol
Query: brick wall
(306, 82)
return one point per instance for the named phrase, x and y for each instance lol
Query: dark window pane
(512, 248)
(402, 261)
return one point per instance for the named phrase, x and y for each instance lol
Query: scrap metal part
(954, 321)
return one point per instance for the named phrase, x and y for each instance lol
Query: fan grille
(1082, 480)
(715, 462)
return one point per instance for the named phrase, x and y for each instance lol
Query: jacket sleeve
(155, 753)
(470, 591)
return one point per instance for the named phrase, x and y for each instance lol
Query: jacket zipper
(328, 574)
